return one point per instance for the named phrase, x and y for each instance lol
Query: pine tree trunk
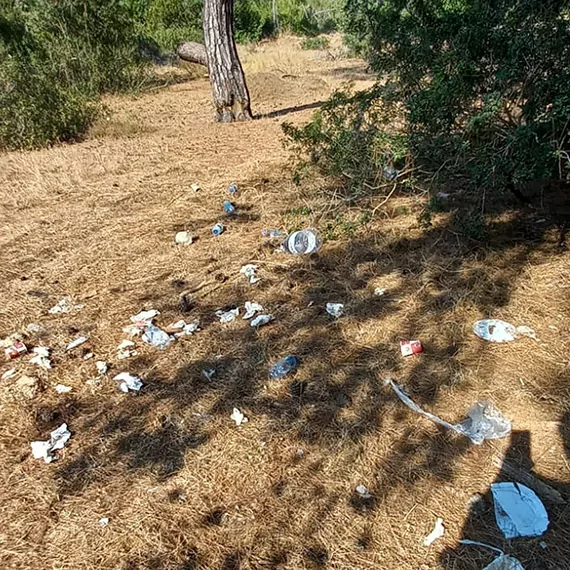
(231, 97)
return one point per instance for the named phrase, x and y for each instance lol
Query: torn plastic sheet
(128, 382)
(518, 510)
(502, 562)
(484, 420)
(45, 449)
(495, 330)
(126, 349)
(156, 337)
(144, 318)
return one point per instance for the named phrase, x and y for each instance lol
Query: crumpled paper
(437, 532)
(41, 357)
(249, 271)
(45, 449)
(156, 337)
(238, 417)
(227, 316)
(128, 382)
(251, 308)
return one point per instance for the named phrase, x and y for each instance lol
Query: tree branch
(193, 52)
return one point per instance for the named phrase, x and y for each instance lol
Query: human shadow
(546, 552)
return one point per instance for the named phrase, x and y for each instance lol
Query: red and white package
(410, 347)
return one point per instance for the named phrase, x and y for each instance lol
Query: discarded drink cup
(15, 350)
(217, 229)
(303, 242)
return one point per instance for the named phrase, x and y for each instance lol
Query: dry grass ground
(185, 488)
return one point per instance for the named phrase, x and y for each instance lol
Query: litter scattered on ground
(208, 374)
(238, 417)
(283, 367)
(379, 291)
(45, 449)
(178, 325)
(303, 242)
(15, 350)
(156, 337)
(518, 510)
(195, 187)
(437, 532)
(104, 521)
(502, 562)
(128, 382)
(228, 316)
(335, 309)
(26, 386)
(233, 188)
(132, 330)
(484, 420)
(249, 272)
(62, 389)
(443, 195)
(271, 234)
(261, 320)
(65, 306)
(251, 308)
(41, 357)
(389, 173)
(102, 367)
(9, 374)
(229, 208)
(75, 343)
(183, 238)
(126, 349)
(188, 329)
(33, 328)
(144, 318)
(88, 356)
(363, 492)
(495, 330)
(218, 229)
(411, 347)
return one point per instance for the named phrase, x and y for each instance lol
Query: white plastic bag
(495, 330)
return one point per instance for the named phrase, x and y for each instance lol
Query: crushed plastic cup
(495, 330)
(217, 230)
(303, 242)
(335, 309)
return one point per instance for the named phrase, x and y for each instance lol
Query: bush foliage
(481, 89)
(57, 57)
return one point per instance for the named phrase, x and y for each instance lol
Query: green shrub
(479, 89)
(55, 60)
(318, 42)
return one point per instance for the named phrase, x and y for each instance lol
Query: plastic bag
(156, 337)
(502, 562)
(495, 330)
(484, 420)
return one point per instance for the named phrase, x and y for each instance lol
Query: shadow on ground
(337, 398)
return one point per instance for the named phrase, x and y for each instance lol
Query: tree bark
(229, 89)
(193, 52)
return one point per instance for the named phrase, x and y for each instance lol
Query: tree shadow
(337, 398)
(288, 110)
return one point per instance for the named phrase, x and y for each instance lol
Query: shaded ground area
(185, 488)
